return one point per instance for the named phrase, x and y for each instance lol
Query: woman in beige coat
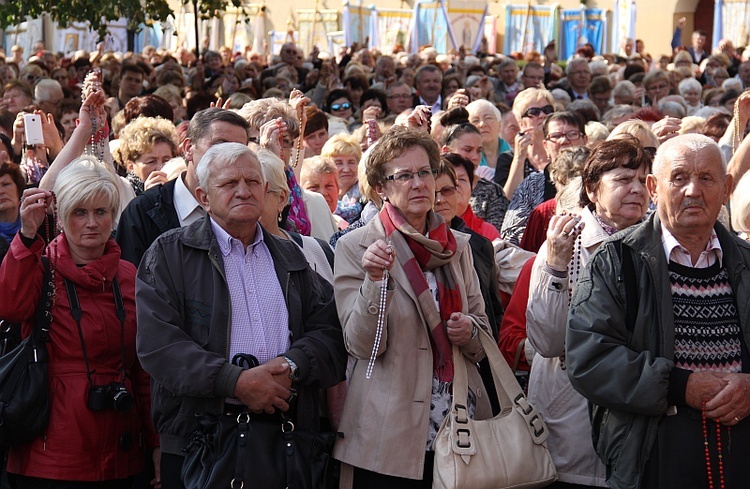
(432, 302)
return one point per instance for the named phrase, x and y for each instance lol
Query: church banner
(529, 28)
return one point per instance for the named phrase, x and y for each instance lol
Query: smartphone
(32, 125)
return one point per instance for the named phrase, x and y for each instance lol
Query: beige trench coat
(386, 418)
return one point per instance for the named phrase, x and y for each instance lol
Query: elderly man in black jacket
(658, 332)
(224, 287)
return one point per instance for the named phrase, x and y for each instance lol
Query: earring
(279, 218)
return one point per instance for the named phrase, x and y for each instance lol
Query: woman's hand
(666, 128)
(156, 177)
(270, 135)
(379, 256)
(523, 141)
(34, 204)
(93, 107)
(50, 134)
(459, 328)
(420, 117)
(371, 113)
(561, 236)
(459, 99)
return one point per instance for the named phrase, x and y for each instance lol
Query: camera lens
(123, 401)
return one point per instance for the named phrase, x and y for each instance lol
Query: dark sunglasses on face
(536, 111)
(344, 106)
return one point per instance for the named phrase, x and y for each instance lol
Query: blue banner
(529, 28)
(579, 27)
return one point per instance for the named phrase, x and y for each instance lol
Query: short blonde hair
(341, 145)
(528, 97)
(138, 137)
(83, 180)
(318, 164)
(273, 169)
(638, 129)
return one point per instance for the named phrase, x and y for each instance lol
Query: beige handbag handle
(509, 392)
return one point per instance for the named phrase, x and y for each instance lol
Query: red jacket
(513, 326)
(80, 444)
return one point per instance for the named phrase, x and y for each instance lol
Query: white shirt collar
(679, 254)
(187, 207)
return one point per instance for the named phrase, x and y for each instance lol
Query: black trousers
(171, 469)
(364, 479)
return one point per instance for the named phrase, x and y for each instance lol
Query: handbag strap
(517, 357)
(509, 392)
(243, 430)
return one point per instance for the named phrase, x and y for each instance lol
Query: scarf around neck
(9, 229)
(417, 254)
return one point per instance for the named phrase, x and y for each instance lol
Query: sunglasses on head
(344, 106)
(536, 111)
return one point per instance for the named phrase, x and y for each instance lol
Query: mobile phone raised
(32, 125)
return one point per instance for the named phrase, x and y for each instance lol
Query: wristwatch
(293, 369)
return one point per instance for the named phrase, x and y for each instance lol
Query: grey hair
(262, 110)
(575, 61)
(688, 83)
(225, 152)
(685, 143)
(478, 105)
(46, 88)
(83, 180)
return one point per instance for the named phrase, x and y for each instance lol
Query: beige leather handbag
(507, 451)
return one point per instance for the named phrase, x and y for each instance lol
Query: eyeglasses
(402, 97)
(657, 87)
(344, 106)
(406, 176)
(448, 191)
(537, 111)
(570, 136)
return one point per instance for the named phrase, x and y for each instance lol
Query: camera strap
(77, 313)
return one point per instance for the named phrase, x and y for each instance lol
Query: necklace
(737, 140)
(298, 142)
(53, 255)
(707, 452)
(381, 320)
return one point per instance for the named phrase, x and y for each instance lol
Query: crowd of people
(349, 220)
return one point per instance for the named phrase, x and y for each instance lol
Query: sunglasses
(537, 111)
(344, 106)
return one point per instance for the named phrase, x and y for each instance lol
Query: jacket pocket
(198, 321)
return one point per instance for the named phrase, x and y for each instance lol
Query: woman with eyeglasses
(613, 197)
(399, 389)
(529, 154)
(488, 202)
(561, 130)
(657, 85)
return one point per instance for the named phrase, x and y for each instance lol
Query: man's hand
(702, 386)
(732, 404)
(262, 388)
(666, 128)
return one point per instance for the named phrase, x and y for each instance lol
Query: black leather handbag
(254, 452)
(24, 388)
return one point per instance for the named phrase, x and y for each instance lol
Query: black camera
(111, 396)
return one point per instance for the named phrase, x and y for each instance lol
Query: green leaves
(96, 12)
